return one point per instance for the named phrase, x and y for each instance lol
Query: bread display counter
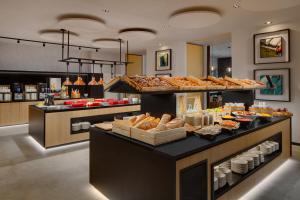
(126, 168)
(63, 124)
(168, 153)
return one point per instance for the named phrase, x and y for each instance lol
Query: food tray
(158, 138)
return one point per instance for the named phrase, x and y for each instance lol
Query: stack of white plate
(256, 158)
(216, 183)
(249, 159)
(266, 149)
(221, 178)
(239, 166)
(226, 164)
(85, 125)
(227, 173)
(261, 155)
(76, 127)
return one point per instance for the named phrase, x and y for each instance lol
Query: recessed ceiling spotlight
(237, 4)
(268, 22)
(81, 23)
(194, 18)
(137, 34)
(105, 10)
(108, 43)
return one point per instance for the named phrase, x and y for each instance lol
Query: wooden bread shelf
(120, 85)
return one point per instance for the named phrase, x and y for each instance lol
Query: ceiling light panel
(82, 24)
(137, 34)
(194, 19)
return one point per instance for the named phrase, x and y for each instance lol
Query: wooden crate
(158, 137)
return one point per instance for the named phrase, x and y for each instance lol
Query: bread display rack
(169, 85)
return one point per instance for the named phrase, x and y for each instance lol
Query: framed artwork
(278, 84)
(272, 47)
(163, 60)
(161, 75)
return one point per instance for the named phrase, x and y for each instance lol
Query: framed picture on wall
(272, 47)
(278, 84)
(162, 75)
(163, 60)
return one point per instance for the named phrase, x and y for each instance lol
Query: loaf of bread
(165, 119)
(175, 123)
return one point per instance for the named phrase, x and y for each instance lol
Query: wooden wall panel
(136, 67)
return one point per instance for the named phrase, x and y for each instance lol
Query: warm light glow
(275, 176)
(268, 22)
(96, 193)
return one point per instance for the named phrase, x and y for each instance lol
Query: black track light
(96, 50)
(79, 48)
(18, 41)
(44, 44)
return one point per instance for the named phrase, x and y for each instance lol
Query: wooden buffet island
(51, 126)
(126, 169)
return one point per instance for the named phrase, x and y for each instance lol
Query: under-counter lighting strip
(53, 149)
(275, 176)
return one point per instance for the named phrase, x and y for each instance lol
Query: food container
(245, 123)
(76, 127)
(85, 125)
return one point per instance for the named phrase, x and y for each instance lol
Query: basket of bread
(151, 130)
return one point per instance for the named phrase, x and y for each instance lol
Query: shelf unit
(238, 178)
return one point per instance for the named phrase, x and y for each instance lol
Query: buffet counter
(53, 125)
(13, 113)
(127, 169)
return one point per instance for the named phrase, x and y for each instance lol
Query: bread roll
(175, 123)
(165, 119)
(133, 119)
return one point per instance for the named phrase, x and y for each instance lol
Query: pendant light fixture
(67, 82)
(101, 82)
(93, 81)
(79, 78)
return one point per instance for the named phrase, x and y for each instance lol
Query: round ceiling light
(267, 5)
(191, 19)
(81, 23)
(56, 35)
(107, 43)
(137, 34)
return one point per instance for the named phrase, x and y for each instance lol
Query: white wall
(178, 59)
(242, 62)
(26, 57)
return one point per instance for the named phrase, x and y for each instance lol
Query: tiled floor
(28, 172)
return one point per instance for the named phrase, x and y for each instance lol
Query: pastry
(186, 83)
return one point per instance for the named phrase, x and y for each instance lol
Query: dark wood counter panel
(126, 169)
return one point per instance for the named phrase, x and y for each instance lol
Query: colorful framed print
(277, 82)
(163, 60)
(272, 47)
